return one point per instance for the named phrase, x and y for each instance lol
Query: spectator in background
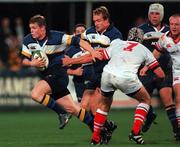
(14, 61)
(139, 21)
(5, 33)
(19, 28)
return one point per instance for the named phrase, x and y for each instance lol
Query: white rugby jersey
(167, 43)
(126, 57)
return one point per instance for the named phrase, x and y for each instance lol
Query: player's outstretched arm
(86, 46)
(67, 61)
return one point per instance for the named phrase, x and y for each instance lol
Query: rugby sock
(171, 113)
(86, 117)
(178, 116)
(139, 117)
(51, 104)
(99, 121)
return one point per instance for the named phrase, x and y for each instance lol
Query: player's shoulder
(28, 39)
(166, 28)
(146, 27)
(54, 33)
(72, 50)
(91, 30)
(113, 33)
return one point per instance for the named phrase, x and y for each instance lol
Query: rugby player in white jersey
(171, 42)
(121, 73)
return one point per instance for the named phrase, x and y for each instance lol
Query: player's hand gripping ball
(39, 54)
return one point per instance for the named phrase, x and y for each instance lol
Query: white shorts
(127, 85)
(176, 77)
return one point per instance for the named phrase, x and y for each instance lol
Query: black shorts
(151, 82)
(95, 82)
(57, 78)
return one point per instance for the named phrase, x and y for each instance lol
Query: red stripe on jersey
(153, 64)
(105, 54)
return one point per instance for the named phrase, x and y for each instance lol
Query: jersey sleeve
(107, 53)
(166, 43)
(70, 40)
(25, 51)
(150, 60)
(66, 39)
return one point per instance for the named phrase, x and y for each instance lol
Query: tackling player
(121, 73)
(99, 35)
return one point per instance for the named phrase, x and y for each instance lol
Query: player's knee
(35, 96)
(84, 105)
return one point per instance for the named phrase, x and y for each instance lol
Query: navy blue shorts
(151, 82)
(57, 78)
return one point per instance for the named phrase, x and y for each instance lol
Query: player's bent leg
(101, 118)
(166, 97)
(71, 107)
(39, 95)
(68, 104)
(85, 102)
(140, 114)
(96, 100)
(150, 119)
(177, 94)
(39, 90)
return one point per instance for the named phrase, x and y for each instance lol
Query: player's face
(100, 23)
(37, 32)
(154, 18)
(174, 24)
(79, 30)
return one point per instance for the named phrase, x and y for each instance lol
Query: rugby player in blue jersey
(51, 90)
(101, 34)
(80, 72)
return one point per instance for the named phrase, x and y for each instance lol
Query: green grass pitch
(40, 129)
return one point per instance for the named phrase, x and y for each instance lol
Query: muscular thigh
(167, 82)
(40, 89)
(87, 95)
(57, 79)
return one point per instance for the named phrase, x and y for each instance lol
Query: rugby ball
(39, 54)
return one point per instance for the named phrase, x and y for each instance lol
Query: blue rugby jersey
(151, 36)
(102, 40)
(53, 45)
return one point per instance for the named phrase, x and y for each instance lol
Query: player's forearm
(26, 62)
(82, 59)
(159, 72)
(86, 46)
(70, 72)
